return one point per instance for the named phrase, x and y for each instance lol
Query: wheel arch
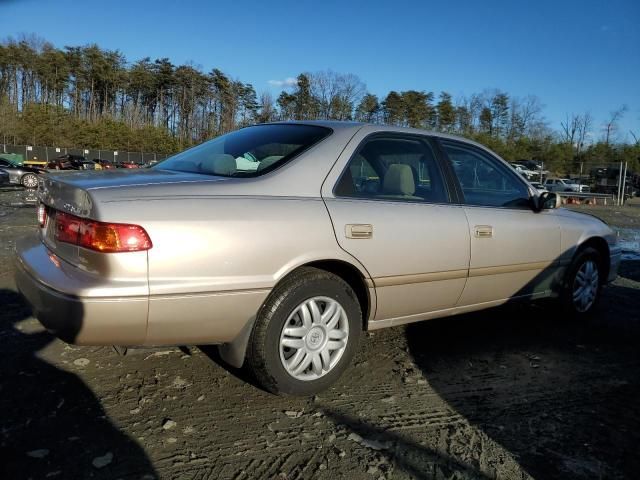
(354, 278)
(602, 247)
(234, 352)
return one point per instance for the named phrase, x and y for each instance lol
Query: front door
(514, 250)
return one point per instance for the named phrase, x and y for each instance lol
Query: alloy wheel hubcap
(585, 286)
(314, 338)
(30, 181)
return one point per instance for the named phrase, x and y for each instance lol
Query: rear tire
(29, 180)
(583, 284)
(306, 333)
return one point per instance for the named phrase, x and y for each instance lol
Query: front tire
(583, 283)
(29, 180)
(306, 333)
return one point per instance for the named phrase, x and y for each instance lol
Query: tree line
(93, 97)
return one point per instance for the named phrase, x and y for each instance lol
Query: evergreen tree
(446, 113)
(368, 109)
(393, 107)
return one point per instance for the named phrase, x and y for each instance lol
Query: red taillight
(67, 228)
(100, 236)
(42, 214)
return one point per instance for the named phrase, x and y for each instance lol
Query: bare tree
(266, 108)
(583, 128)
(575, 129)
(569, 128)
(337, 94)
(611, 126)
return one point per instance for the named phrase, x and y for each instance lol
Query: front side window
(485, 181)
(393, 168)
(248, 152)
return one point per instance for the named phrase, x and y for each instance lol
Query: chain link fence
(31, 152)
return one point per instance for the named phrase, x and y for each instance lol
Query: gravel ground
(515, 392)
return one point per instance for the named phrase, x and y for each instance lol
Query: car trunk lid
(76, 193)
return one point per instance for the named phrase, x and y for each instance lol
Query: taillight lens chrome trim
(100, 236)
(42, 214)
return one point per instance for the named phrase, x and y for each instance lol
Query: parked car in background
(528, 174)
(60, 163)
(150, 163)
(90, 165)
(284, 264)
(35, 162)
(127, 165)
(534, 166)
(15, 158)
(4, 178)
(584, 187)
(21, 175)
(538, 186)
(105, 164)
(77, 162)
(561, 185)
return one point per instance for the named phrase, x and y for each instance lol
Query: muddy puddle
(629, 239)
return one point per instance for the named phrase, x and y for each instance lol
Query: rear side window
(485, 181)
(248, 152)
(393, 168)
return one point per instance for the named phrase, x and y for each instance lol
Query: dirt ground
(513, 393)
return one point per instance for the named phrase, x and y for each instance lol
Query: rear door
(514, 250)
(391, 210)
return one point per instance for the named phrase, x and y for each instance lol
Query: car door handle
(359, 230)
(483, 231)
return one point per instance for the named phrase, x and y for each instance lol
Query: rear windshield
(248, 152)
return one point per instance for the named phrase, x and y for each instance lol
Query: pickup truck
(561, 185)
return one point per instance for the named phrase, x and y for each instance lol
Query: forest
(90, 97)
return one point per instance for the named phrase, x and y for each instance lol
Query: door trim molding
(419, 278)
(517, 267)
(394, 280)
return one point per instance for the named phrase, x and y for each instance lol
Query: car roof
(376, 128)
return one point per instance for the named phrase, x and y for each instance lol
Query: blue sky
(575, 55)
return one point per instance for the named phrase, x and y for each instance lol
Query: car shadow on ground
(242, 374)
(563, 397)
(52, 425)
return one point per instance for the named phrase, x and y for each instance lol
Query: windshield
(248, 152)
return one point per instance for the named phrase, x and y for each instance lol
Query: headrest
(219, 164)
(268, 161)
(399, 180)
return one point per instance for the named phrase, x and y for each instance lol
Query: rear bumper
(47, 284)
(84, 309)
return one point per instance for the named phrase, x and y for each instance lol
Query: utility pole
(619, 184)
(624, 181)
(541, 170)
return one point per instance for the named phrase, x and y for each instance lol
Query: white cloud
(287, 82)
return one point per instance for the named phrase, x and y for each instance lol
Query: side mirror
(546, 200)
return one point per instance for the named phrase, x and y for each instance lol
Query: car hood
(580, 216)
